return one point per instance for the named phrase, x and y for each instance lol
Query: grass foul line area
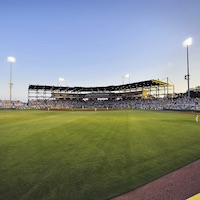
(91, 155)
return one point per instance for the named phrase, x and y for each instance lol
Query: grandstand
(143, 89)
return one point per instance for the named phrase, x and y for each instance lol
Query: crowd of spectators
(180, 103)
(6, 104)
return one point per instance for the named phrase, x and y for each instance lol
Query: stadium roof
(149, 83)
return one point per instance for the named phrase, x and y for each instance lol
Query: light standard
(125, 76)
(186, 44)
(11, 60)
(61, 80)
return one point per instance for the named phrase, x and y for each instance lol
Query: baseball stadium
(100, 100)
(99, 143)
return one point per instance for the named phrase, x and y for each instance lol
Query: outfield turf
(90, 155)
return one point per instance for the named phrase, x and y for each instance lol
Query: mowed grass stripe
(91, 155)
(28, 149)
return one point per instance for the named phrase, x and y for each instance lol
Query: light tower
(125, 76)
(186, 44)
(11, 60)
(61, 80)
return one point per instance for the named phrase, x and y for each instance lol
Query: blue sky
(94, 43)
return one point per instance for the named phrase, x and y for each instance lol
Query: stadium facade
(143, 89)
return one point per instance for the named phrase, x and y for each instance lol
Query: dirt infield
(178, 185)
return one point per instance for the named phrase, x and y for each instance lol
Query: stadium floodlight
(125, 76)
(61, 80)
(186, 44)
(11, 60)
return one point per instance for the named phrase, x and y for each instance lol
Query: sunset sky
(95, 43)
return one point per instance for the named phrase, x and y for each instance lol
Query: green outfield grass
(90, 155)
